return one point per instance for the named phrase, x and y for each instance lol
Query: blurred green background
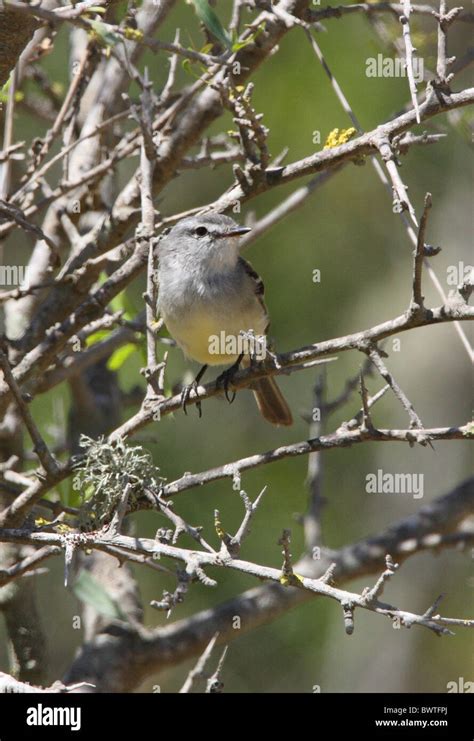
(348, 231)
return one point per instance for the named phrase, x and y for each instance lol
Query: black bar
(378, 716)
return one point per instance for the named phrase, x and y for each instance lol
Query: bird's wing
(258, 287)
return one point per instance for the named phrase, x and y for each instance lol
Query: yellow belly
(212, 340)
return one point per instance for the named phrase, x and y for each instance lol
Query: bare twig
(27, 566)
(298, 358)
(139, 655)
(314, 478)
(166, 92)
(341, 438)
(197, 671)
(41, 449)
(11, 684)
(417, 296)
(214, 683)
(376, 358)
(5, 170)
(409, 50)
(17, 215)
(444, 21)
(366, 420)
(195, 561)
(401, 199)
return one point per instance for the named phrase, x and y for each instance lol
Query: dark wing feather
(258, 284)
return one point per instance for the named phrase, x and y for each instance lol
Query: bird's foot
(186, 393)
(225, 379)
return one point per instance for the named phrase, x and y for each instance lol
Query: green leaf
(187, 67)
(119, 356)
(87, 589)
(101, 334)
(241, 44)
(5, 92)
(208, 16)
(96, 9)
(237, 45)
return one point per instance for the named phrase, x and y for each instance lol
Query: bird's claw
(186, 393)
(225, 379)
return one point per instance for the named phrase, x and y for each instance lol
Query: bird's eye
(201, 231)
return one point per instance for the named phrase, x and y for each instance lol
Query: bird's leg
(225, 378)
(193, 387)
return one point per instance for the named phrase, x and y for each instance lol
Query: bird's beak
(237, 232)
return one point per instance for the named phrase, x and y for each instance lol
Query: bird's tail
(271, 402)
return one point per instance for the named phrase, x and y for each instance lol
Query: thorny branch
(72, 251)
(198, 560)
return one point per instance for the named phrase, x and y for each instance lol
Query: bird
(206, 290)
